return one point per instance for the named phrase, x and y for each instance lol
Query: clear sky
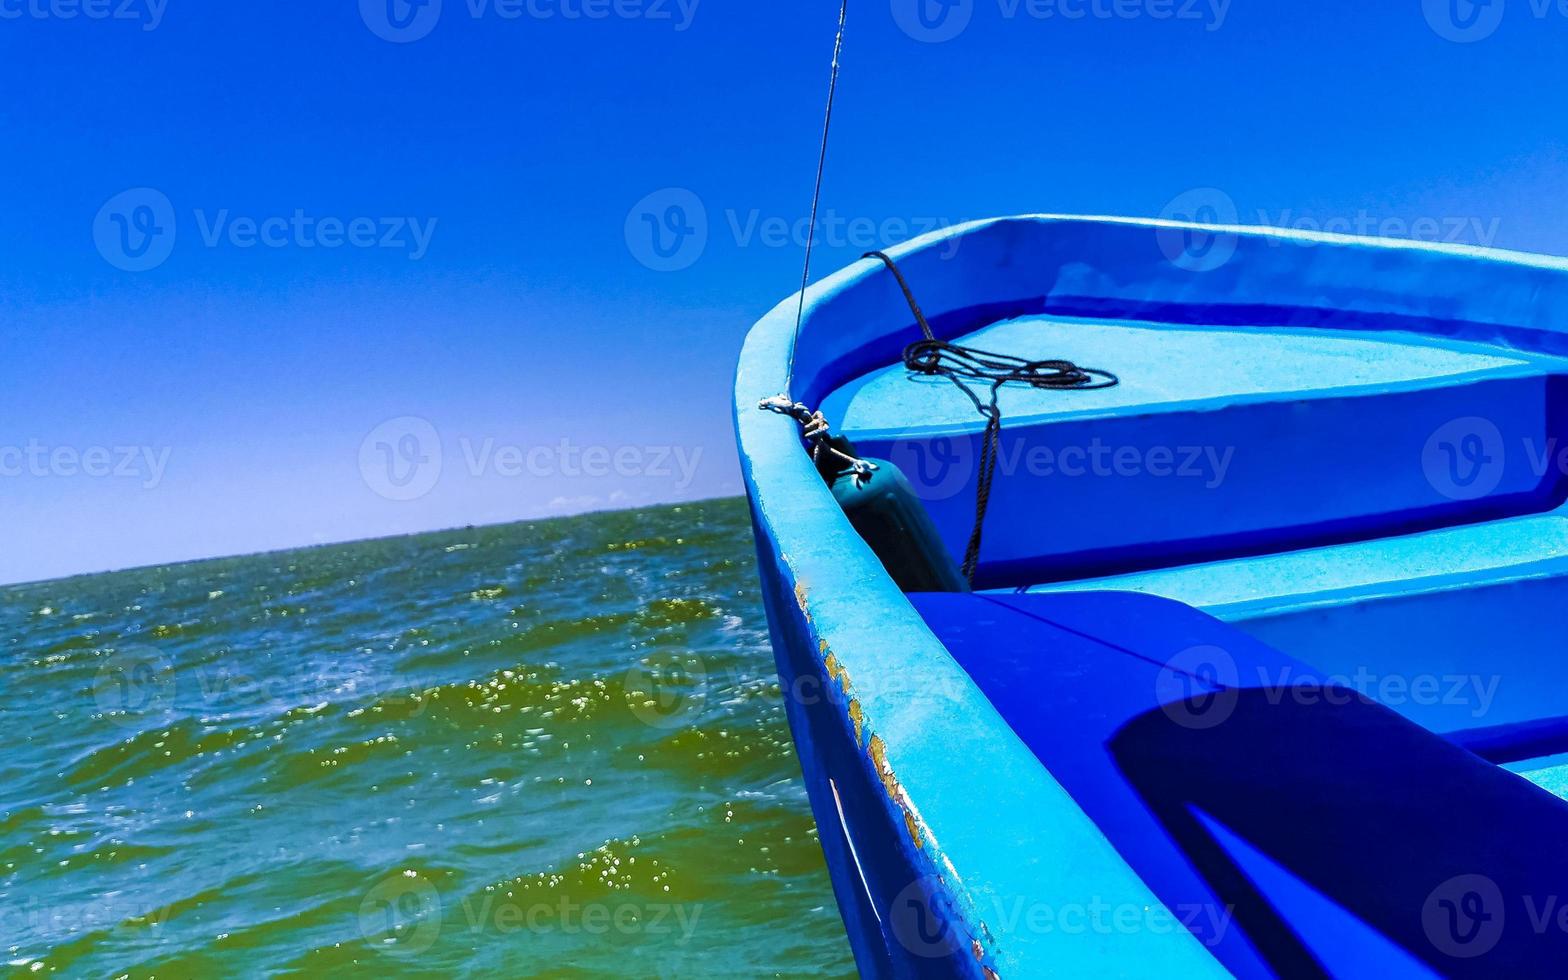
(311, 270)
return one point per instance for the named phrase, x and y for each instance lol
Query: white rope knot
(817, 427)
(817, 431)
(784, 405)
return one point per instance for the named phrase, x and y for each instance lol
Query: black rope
(961, 365)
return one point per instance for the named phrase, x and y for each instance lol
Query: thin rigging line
(816, 197)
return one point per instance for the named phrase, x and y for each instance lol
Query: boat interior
(1377, 504)
(1371, 506)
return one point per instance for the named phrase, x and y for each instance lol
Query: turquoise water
(550, 749)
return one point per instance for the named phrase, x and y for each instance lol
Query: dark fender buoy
(885, 511)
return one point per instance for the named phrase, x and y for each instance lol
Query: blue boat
(1256, 665)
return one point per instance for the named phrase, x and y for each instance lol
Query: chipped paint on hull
(895, 792)
(838, 679)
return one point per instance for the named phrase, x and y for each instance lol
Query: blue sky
(315, 270)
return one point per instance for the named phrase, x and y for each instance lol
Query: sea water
(544, 749)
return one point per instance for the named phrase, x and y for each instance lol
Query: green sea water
(549, 749)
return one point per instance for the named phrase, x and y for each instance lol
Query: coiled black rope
(961, 365)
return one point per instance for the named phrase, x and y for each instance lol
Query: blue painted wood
(1452, 628)
(1261, 440)
(953, 849)
(1326, 820)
